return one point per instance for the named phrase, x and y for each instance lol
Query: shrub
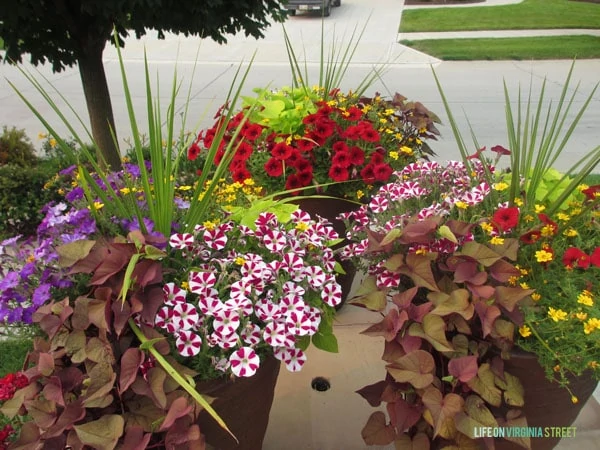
(22, 195)
(16, 148)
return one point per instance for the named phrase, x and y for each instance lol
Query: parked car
(312, 5)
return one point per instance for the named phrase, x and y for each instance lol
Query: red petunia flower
(339, 146)
(382, 172)
(324, 128)
(294, 158)
(477, 154)
(353, 113)
(592, 192)
(310, 119)
(302, 165)
(595, 257)
(341, 159)
(293, 182)
(281, 151)
(376, 158)
(357, 156)
(305, 177)
(243, 151)
(352, 133)
(193, 151)
(367, 173)
(506, 218)
(252, 131)
(305, 145)
(369, 134)
(531, 237)
(240, 174)
(338, 173)
(274, 167)
(576, 257)
(500, 150)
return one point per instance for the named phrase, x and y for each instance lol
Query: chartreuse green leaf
(416, 368)
(484, 385)
(369, 296)
(476, 414)
(183, 382)
(513, 390)
(71, 252)
(433, 330)
(443, 409)
(101, 434)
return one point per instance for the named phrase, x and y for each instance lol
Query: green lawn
(530, 14)
(554, 47)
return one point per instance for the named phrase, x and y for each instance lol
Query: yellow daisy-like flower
(359, 194)
(52, 142)
(591, 325)
(239, 260)
(496, 240)
(406, 150)
(42, 135)
(125, 191)
(543, 256)
(548, 230)
(487, 227)
(524, 285)
(539, 208)
(513, 281)
(421, 251)
(209, 225)
(394, 155)
(593, 364)
(557, 314)
(518, 202)
(523, 272)
(570, 232)
(302, 226)
(536, 297)
(586, 298)
(461, 205)
(528, 218)
(574, 399)
(185, 188)
(582, 187)
(501, 186)
(564, 217)
(98, 205)
(185, 285)
(525, 331)
(581, 315)
(249, 182)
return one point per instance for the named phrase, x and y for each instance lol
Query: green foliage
(16, 148)
(526, 15)
(522, 48)
(13, 352)
(22, 195)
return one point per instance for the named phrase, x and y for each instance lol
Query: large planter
(547, 404)
(244, 404)
(330, 208)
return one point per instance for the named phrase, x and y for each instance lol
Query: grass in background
(530, 14)
(532, 48)
(13, 351)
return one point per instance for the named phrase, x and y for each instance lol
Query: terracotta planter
(244, 405)
(330, 208)
(546, 403)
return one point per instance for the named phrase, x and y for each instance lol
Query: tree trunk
(99, 106)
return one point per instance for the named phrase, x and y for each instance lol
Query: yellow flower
(536, 297)
(496, 240)
(524, 285)
(591, 325)
(570, 232)
(185, 285)
(543, 256)
(518, 202)
(97, 205)
(593, 364)
(581, 316)
(394, 155)
(406, 150)
(302, 226)
(513, 281)
(209, 225)
(359, 194)
(501, 186)
(421, 251)
(525, 331)
(487, 227)
(574, 399)
(556, 368)
(557, 314)
(42, 135)
(564, 217)
(528, 218)
(582, 187)
(539, 208)
(585, 298)
(461, 205)
(239, 260)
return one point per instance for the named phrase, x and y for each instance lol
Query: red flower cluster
(575, 257)
(344, 140)
(10, 384)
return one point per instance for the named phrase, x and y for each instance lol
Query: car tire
(337, 3)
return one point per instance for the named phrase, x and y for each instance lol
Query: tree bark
(97, 97)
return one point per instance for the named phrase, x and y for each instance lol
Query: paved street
(475, 87)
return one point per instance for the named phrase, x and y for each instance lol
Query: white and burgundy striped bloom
(274, 240)
(226, 321)
(251, 334)
(294, 359)
(173, 294)
(275, 334)
(315, 276)
(267, 311)
(181, 241)
(201, 282)
(164, 319)
(298, 323)
(210, 304)
(244, 362)
(185, 316)
(215, 238)
(332, 294)
(188, 343)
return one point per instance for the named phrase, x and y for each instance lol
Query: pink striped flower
(181, 241)
(226, 321)
(185, 316)
(251, 334)
(240, 305)
(298, 323)
(294, 359)
(244, 362)
(274, 240)
(173, 294)
(315, 276)
(201, 282)
(275, 334)
(224, 341)
(291, 303)
(210, 304)
(164, 319)
(188, 343)
(215, 238)
(379, 204)
(331, 294)
(267, 311)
